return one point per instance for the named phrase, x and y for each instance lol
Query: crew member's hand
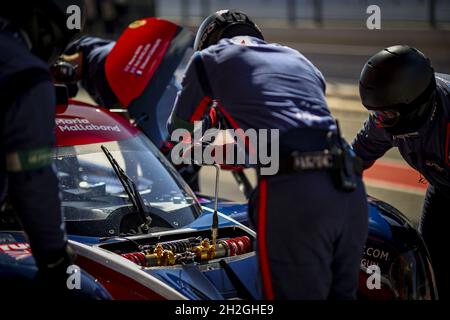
(76, 60)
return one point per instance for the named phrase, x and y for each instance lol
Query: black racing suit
(427, 151)
(27, 118)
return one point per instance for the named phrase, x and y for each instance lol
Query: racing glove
(65, 73)
(52, 273)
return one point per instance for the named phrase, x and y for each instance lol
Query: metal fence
(430, 12)
(114, 14)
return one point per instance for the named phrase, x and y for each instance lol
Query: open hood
(144, 69)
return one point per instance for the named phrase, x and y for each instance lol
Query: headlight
(412, 277)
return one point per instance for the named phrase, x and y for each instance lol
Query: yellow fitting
(160, 257)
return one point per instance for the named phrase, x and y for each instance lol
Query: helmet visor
(386, 118)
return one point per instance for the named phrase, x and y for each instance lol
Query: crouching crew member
(410, 110)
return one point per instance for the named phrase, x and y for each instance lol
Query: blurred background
(334, 36)
(110, 16)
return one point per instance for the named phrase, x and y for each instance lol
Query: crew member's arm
(28, 139)
(90, 54)
(193, 99)
(371, 143)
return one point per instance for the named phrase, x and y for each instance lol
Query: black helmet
(397, 85)
(225, 24)
(45, 24)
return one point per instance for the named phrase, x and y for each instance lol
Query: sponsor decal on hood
(79, 124)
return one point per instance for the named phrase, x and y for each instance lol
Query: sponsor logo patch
(16, 250)
(376, 255)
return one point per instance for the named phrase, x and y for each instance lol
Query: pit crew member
(33, 34)
(311, 221)
(410, 109)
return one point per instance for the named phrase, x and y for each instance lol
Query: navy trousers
(310, 236)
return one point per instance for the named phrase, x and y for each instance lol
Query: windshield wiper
(132, 191)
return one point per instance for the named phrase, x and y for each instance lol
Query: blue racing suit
(310, 235)
(260, 86)
(427, 151)
(27, 118)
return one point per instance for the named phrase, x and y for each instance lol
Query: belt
(306, 149)
(318, 160)
(301, 161)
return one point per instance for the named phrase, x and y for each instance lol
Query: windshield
(91, 190)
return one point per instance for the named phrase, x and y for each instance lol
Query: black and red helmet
(45, 23)
(225, 24)
(397, 86)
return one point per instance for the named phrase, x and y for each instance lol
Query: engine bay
(196, 247)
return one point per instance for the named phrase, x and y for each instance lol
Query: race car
(136, 226)
(142, 233)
